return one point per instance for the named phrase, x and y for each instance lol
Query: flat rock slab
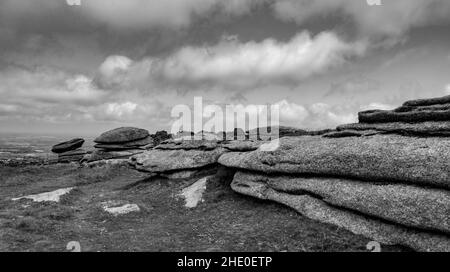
(242, 146)
(117, 208)
(71, 156)
(110, 162)
(350, 133)
(53, 196)
(122, 135)
(188, 145)
(382, 158)
(128, 145)
(99, 155)
(183, 174)
(68, 146)
(193, 194)
(380, 116)
(407, 129)
(410, 206)
(428, 101)
(169, 160)
(316, 209)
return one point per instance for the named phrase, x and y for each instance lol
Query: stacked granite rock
(70, 151)
(179, 158)
(424, 117)
(120, 143)
(390, 184)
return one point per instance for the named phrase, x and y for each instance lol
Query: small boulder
(68, 146)
(122, 135)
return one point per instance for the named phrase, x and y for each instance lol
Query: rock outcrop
(411, 206)
(188, 145)
(423, 117)
(385, 158)
(72, 156)
(69, 151)
(160, 161)
(99, 155)
(422, 129)
(412, 116)
(386, 178)
(142, 143)
(120, 143)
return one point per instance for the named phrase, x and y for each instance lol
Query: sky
(108, 63)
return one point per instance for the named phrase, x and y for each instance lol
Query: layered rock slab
(99, 155)
(158, 161)
(188, 145)
(410, 206)
(317, 209)
(381, 116)
(142, 143)
(428, 101)
(407, 129)
(383, 158)
(122, 135)
(68, 146)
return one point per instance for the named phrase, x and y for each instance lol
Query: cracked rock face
(317, 209)
(169, 160)
(386, 158)
(411, 206)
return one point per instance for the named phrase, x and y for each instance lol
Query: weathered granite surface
(386, 158)
(316, 209)
(407, 129)
(128, 145)
(122, 135)
(157, 160)
(407, 205)
(351, 133)
(242, 146)
(98, 155)
(428, 101)
(188, 145)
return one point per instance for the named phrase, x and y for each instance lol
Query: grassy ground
(225, 221)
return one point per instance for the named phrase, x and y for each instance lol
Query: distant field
(13, 146)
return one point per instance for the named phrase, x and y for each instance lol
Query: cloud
(46, 85)
(55, 96)
(165, 13)
(233, 64)
(323, 115)
(377, 106)
(390, 20)
(291, 113)
(447, 89)
(130, 14)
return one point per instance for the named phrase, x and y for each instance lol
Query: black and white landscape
(91, 158)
